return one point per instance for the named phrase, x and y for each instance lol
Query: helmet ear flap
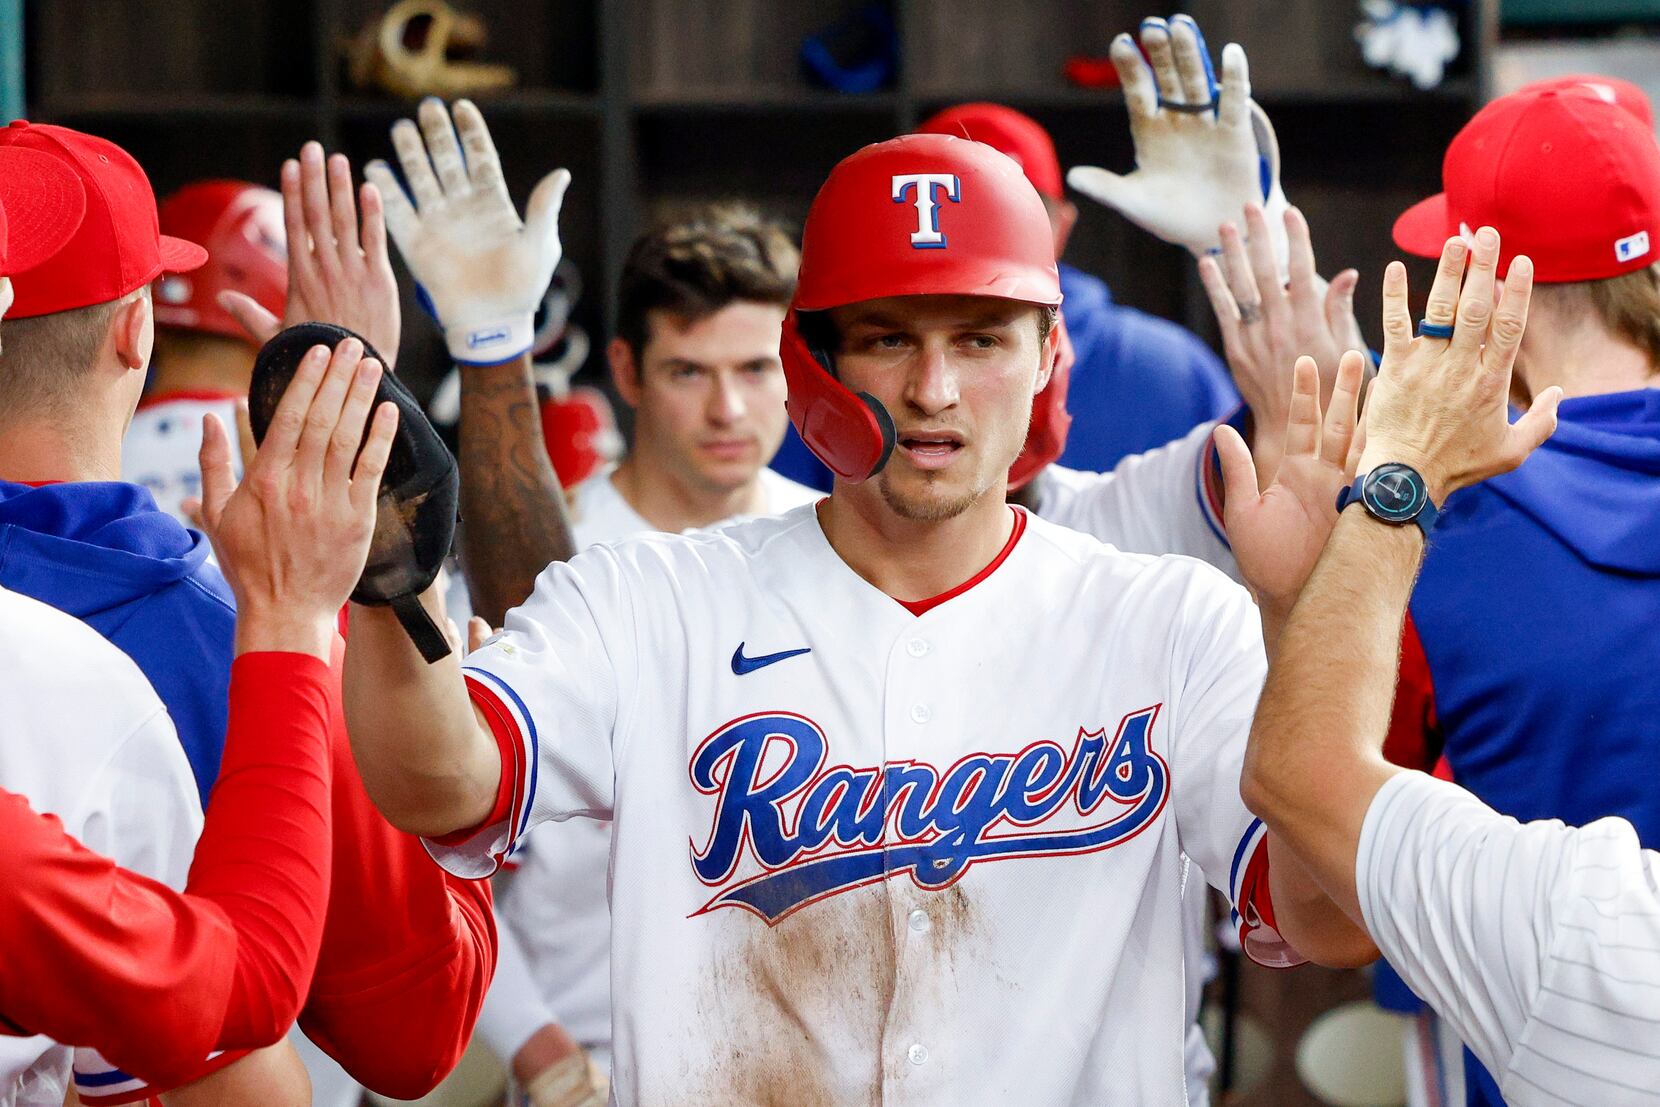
(884, 425)
(851, 433)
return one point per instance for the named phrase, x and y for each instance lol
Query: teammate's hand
(1202, 151)
(292, 538)
(1277, 534)
(1441, 405)
(573, 1082)
(482, 270)
(1267, 324)
(338, 270)
(478, 633)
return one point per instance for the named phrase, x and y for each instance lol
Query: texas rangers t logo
(926, 188)
(788, 831)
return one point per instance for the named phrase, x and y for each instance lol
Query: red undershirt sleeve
(408, 951)
(156, 980)
(1414, 738)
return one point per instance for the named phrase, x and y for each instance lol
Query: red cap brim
(44, 203)
(179, 256)
(1424, 227)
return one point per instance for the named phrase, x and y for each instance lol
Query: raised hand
(1277, 534)
(338, 268)
(483, 271)
(1267, 324)
(293, 536)
(1442, 405)
(1200, 148)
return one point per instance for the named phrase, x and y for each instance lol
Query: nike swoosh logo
(742, 664)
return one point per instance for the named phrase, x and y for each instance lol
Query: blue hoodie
(1539, 615)
(105, 554)
(1139, 381)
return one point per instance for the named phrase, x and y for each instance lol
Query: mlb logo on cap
(1632, 247)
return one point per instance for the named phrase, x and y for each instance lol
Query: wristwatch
(1393, 493)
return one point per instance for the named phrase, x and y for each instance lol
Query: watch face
(1394, 492)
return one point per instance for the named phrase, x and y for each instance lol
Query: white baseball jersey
(1163, 501)
(925, 853)
(1159, 502)
(554, 960)
(600, 514)
(1539, 942)
(160, 447)
(84, 737)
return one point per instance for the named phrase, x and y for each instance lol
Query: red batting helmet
(917, 215)
(240, 224)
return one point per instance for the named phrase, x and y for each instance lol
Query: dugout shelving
(657, 103)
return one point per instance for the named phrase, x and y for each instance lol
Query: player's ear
(625, 370)
(1049, 358)
(132, 329)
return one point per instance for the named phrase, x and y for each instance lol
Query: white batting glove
(482, 271)
(1202, 150)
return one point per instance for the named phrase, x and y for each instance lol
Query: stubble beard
(924, 508)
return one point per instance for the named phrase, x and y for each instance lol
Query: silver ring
(1250, 313)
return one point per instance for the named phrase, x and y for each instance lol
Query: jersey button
(918, 1054)
(918, 647)
(920, 713)
(919, 920)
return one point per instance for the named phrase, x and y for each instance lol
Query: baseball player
(119, 781)
(203, 357)
(1567, 540)
(856, 839)
(701, 304)
(78, 338)
(99, 549)
(224, 967)
(1537, 941)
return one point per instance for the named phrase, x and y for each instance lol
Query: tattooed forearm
(512, 508)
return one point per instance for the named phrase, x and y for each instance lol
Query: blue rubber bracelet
(1426, 329)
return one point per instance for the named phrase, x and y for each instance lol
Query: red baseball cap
(41, 204)
(118, 246)
(1008, 131)
(1611, 89)
(1568, 177)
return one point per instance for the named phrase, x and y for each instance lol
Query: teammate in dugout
(1538, 942)
(836, 803)
(70, 372)
(177, 978)
(187, 984)
(1558, 725)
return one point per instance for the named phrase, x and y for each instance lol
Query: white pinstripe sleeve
(1539, 943)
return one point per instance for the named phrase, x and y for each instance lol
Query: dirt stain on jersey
(803, 1012)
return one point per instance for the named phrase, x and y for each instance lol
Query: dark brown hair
(696, 266)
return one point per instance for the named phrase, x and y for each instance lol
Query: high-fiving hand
(1266, 323)
(1277, 534)
(338, 269)
(1200, 147)
(1442, 405)
(482, 270)
(293, 536)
